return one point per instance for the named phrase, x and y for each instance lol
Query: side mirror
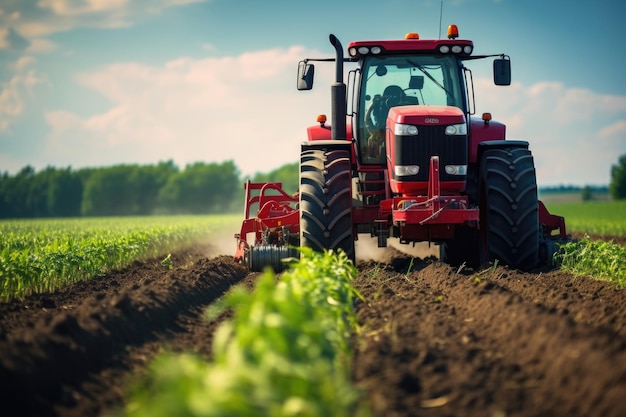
(305, 75)
(502, 71)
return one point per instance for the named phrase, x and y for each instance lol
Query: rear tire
(509, 217)
(326, 201)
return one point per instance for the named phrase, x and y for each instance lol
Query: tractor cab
(412, 99)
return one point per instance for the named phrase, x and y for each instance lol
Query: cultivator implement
(271, 227)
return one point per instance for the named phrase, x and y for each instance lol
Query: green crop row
(44, 255)
(285, 352)
(597, 258)
(598, 218)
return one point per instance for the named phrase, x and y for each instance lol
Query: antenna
(440, 14)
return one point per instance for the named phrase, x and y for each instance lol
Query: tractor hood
(425, 115)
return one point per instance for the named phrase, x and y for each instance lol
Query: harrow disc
(260, 257)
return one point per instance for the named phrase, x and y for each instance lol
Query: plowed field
(434, 341)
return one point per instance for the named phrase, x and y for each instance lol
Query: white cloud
(18, 90)
(244, 108)
(575, 134)
(80, 7)
(617, 129)
(46, 17)
(4, 38)
(24, 26)
(40, 45)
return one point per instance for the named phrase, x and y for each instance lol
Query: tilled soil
(434, 340)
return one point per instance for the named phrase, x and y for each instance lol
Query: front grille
(429, 141)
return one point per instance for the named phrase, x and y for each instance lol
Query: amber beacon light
(453, 32)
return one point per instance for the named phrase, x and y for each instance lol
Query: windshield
(432, 80)
(399, 80)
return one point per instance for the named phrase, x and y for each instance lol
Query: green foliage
(602, 218)
(201, 188)
(288, 175)
(600, 259)
(586, 194)
(121, 190)
(44, 255)
(286, 352)
(131, 190)
(617, 187)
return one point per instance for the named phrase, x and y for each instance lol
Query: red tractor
(407, 159)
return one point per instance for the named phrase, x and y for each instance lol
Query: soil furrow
(450, 344)
(433, 341)
(49, 361)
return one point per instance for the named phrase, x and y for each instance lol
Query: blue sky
(102, 82)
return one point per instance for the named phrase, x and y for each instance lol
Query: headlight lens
(444, 49)
(364, 50)
(404, 170)
(456, 169)
(405, 130)
(460, 129)
(376, 50)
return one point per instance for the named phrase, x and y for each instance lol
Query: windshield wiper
(430, 77)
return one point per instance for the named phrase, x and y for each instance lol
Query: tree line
(125, 190)
(163, 188)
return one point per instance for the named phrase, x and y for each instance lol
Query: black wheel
(326, 200)
(509, 217)
(463, 249)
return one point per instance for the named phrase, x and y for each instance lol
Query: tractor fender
(327, 145)
(324, 132)
(500, 144)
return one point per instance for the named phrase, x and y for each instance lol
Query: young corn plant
(285, 352)
(597, 258)
(45, 255)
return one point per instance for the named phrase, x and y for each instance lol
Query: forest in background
(163, 188)
(128, 190)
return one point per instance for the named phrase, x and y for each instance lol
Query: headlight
(460, 129)
(404, 170)
(457, 49)
(352, 51)
(467, 49)
(363, 50)
(444, 49)
(405, 130)
(456, 169)
(376, 50)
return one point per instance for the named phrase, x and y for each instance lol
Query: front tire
(462, 249)
(326, 201)
(509, 217)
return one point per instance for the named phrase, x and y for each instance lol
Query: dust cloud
(367, 249)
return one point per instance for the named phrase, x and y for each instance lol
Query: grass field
(601, 258)
(600, 218)
(43, 255)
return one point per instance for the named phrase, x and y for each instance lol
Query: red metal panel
(481, 132)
